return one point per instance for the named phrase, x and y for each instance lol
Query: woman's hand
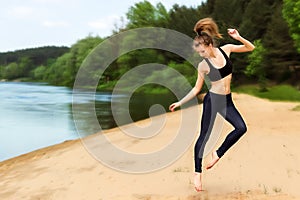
(174, 105)
(246, 47)
(233, 33)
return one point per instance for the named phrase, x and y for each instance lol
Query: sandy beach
(263, 165)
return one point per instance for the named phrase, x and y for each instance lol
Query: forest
(272, 25)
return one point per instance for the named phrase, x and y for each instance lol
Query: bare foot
(214, 160)
(198, 181)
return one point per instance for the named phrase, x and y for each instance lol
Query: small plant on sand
(265, 190)
(297, 108)
(276, 189)
(180, 169)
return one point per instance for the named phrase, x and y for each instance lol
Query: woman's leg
(233, 116)
(207, 122)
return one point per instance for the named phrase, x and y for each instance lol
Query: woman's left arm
(244, 47)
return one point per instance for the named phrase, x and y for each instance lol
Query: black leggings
(222, 104)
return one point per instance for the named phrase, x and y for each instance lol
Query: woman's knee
(242, 129)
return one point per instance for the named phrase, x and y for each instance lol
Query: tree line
(22, 63)
(273, 25)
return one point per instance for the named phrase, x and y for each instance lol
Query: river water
(36, 115)
(33, 116)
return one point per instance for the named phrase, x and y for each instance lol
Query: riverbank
(263, 165)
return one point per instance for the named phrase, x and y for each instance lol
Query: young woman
(218, 67)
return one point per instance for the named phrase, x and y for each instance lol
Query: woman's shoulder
(203, 66)
(227, 48)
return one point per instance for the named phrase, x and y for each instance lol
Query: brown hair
(208, 30)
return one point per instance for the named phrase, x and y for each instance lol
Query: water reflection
(138, 108)
(36, 115)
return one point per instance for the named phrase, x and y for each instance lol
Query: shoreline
(264, 164)
(23, 158)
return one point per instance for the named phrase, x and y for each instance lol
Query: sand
(264, 164)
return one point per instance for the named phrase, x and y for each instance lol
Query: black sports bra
(217, 74)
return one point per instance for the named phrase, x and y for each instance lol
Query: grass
(274, 93)
(297, 108)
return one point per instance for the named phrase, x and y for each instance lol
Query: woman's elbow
(197, 89)
(251, 48)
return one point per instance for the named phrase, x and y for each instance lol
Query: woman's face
(203, 49)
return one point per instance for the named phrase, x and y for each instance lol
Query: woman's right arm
(196, 89)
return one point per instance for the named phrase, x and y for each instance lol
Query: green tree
(22, 63)
(228, 13)
(25, 66)
(38, 56)
(78, 53)
(1, 71)
(56, 74)
(291, 13)
(256, 18)
(11, 71)
(183, 19)
(63, 71)
(256, 66)
(186, 69)
(39, 73)
(280, 54)
(207, 8)
(144, 14)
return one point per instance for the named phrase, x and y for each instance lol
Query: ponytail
(207, 26)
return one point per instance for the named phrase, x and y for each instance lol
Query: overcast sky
(35, 23)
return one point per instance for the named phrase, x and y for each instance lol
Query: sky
(35, 23)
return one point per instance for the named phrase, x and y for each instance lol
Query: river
(37, 115)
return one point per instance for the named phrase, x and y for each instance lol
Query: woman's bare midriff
(222, 86)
